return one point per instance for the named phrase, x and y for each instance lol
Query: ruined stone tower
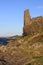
(26, 17)
(27, 22)
(32, 26)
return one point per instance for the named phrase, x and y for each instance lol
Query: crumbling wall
(32, 26)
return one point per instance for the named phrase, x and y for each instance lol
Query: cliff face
(32, 26)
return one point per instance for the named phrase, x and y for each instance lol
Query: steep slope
(23, 51)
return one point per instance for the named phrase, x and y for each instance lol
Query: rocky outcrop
(32, 26)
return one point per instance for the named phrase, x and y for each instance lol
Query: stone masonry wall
(32, 26)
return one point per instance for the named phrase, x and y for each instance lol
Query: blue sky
(12, 13)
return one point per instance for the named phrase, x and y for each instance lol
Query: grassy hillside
(26, 50)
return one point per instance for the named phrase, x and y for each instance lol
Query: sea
(4, 40)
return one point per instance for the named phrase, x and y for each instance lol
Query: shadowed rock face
(32, 26)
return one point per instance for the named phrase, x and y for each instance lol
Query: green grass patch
(28, 64)
(25, 49)
(38, 61)
(26, 37)
(41, 40)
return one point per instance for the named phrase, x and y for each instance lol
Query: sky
(12, 15)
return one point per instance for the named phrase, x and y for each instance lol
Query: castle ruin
(32, 25)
